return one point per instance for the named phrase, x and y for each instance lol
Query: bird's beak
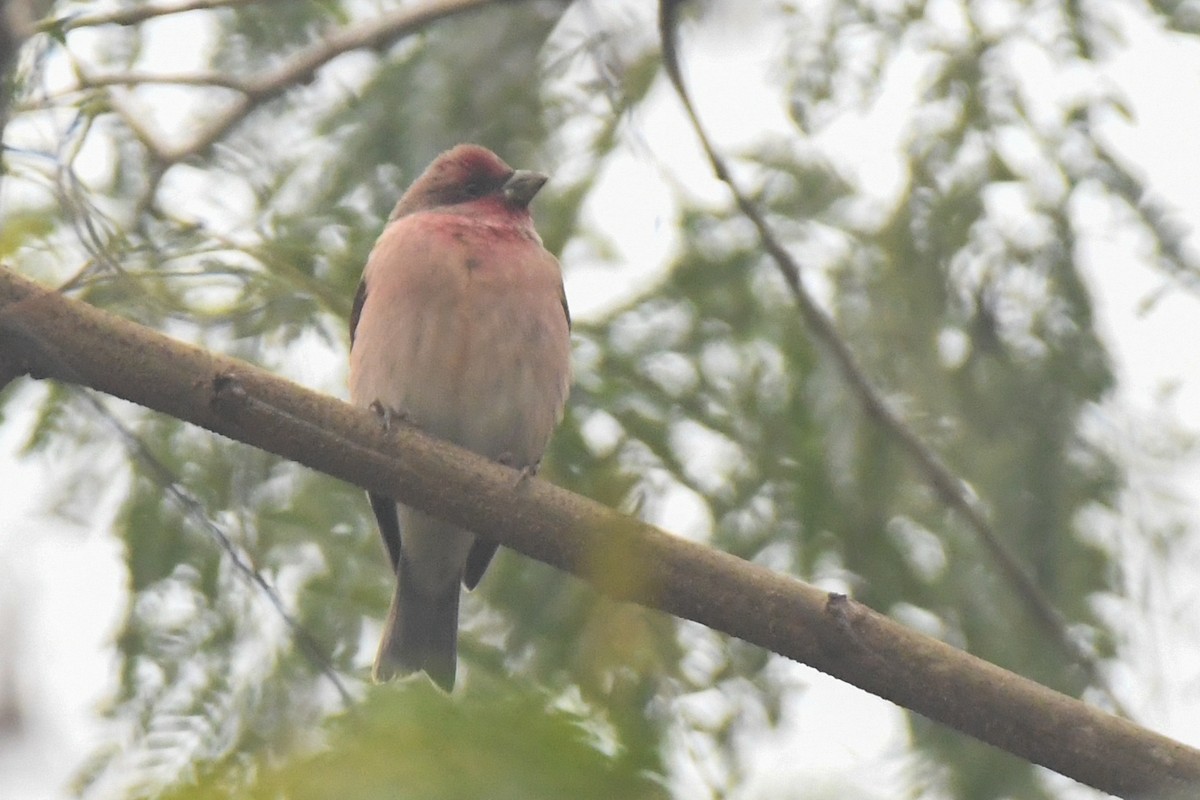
(520, 188)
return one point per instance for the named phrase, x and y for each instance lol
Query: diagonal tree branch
(134, 15)
(252, 91)
(948, 487)
(298, 69)
(303, 66)
(50, 336)
(220, 80)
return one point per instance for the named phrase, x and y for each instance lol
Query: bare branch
(48, 335)
(135, 15)
(136, 78)
(304, 65)
(948, 487)
(254, 90)
(87, 83)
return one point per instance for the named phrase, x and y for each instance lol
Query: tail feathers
(478, 559)
(421, 634)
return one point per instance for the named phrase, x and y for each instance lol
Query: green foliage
(500, 741)
(703, 385)
(22, 227)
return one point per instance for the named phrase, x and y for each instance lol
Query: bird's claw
(386, 415)
(526, 472)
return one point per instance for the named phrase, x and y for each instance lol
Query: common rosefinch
(460, 326)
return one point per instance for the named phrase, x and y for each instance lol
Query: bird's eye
(476, 188)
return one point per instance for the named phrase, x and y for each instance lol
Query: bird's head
(467, 174)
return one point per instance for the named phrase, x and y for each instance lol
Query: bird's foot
(387, 415)
(526, 472)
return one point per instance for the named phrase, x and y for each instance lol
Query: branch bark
(50, 336)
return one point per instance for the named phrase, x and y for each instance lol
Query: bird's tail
(421, 633)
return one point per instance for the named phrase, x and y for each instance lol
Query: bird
(460, 326)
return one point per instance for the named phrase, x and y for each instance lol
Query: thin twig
(161, 474)
(303, 66)
(949, 488)
(94, 230)
(137, 78)
(134, 15)
(258, 89)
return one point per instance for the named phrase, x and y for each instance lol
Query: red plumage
(461, 326)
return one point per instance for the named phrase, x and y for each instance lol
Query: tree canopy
(887, 379)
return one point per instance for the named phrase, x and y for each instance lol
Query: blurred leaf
(20, 228)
